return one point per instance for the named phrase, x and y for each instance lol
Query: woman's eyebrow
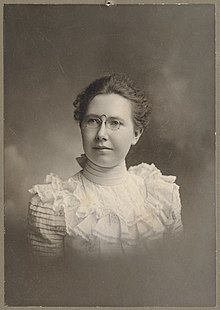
(92, 115)
(112, 116)
(117, 117)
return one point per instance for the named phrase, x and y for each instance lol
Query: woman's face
(104, 146)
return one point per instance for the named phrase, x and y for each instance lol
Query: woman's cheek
(123, 145)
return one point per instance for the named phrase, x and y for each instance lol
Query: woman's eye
(114, 123)
(93, 121)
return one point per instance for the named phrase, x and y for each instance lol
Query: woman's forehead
(112, 105)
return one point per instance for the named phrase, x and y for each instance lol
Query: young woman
(106, 210)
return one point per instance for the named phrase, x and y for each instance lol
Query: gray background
(51, 53)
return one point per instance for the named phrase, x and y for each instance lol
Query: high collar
(104, 176)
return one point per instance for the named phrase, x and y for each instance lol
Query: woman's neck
(104, 176)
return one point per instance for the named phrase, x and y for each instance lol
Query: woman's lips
(102, 148)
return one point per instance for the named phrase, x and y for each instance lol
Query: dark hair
(115, 84)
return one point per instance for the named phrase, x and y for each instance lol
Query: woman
(106, 210)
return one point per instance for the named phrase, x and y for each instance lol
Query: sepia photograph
(109, 155)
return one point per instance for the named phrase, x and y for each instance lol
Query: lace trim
(138, 215)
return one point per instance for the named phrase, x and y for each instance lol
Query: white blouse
(91, 219)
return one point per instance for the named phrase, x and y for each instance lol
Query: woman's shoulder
(150, 171)
(152, 176)
(161, 189)
(162, 195)
(46, 213)
(50, 198)
(52, 192)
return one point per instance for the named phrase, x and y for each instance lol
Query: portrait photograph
(109, 155)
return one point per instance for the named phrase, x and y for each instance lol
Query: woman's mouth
(100, 148)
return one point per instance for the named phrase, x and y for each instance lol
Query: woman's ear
(137, 134)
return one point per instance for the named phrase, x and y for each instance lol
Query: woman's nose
(102, 132)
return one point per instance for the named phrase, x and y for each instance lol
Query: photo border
(216, 3)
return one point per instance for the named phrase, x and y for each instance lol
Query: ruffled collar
(102, 175)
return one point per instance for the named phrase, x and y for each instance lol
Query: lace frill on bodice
(104, 220)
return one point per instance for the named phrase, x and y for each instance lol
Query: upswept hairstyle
(115, 84)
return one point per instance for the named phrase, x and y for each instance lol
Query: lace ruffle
(145, 206)
(163, 194)
(56, 193)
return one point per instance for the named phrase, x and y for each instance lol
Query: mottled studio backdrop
(50, 53)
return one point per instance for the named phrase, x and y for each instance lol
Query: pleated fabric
(46, 229)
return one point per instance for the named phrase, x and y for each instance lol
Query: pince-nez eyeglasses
(94, 122)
